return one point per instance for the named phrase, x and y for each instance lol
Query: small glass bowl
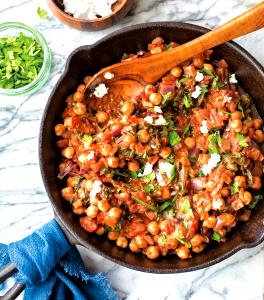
(14, 28)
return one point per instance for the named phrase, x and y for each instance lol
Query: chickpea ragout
(168, 171)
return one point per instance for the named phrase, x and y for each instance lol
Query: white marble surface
(24, 205)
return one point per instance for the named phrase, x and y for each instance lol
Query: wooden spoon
(130, 77)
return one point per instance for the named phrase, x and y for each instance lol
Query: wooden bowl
(120, 10)
(87, 60)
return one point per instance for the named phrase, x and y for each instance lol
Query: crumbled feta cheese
(88, 9)
(160, 180)
(212, 163)
(216, 204)
(82, 158)
(227, 99)
(149, 119)
(166, 167)
(101, 90)
(90, 155)
(160, 121)
(199, 76)
(96, 188)
(109, 75)
(232, 78)
(157, 109)
(147, 170)
(227, 129)
(204, 128)
(197, 91)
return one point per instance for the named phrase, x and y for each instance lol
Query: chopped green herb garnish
(224, 111)
(87, 139)
(149, 188)
(192, 159)
(183, 80)
(147, 104)
(174, 138)
(143, 203)
(116, 172)
(172, 173)
(168, 47)
(215, 139)
(206, 71)
(242, 143)
(186, 207)
(108, 228)
(163, 206)
(234, 188)
(216, 236)
(186, 129)
(187, 101)
(77, 183)
(42, 13)
(149, 177)
(162, 239)
(255, 200)
(166, 98)
(201, 173)
(204, 90)
(21, 58)
(134, 174)
(240, 107)
(119, 225)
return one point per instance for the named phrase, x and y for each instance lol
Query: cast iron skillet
(87, 60)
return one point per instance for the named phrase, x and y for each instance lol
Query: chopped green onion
(204, 90)
(186, 129)
(149, 177)
(255, 200)
(206, 71)
(187, 101)
(234, 188)
(134, 174)
(242, 143)
(174, 138)
(224, 111)
(166, 98)
(216, 236)
(143, 203)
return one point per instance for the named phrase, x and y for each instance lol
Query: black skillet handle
(16, 289)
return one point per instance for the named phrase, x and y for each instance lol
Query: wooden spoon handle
(159, 64)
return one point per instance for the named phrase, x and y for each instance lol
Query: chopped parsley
(187, 101)
(255, 201)
(165, 98)
(234, 188)
(149, 178)
(108, 228)
(240, 107)
(204, 90)
(216, 236)
(143, 203)
(241, 138)
(21, 58)
(172, 173)
(87, 140)
(192, 159)
(186, 207)
(163, 206)
(215, 139)
(168, 47)
(42, 13)
(174, 138)
(183, 80)
(149, 188)
(206, 71)
(133, 174)
(186, 129)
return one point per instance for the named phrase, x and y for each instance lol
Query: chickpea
(113, 162)
(152, 252)
(183, 252)
(140, 241)
(133, 166)
(241, 181)
(199, 248)
(155, 98)
(190, 142)
(236, 115)
(102, 116)
(236, 125)
(198, 62)
(67, 193)
(81, 88)
(149, 89)
(165, 152)
(78, 97)
(157, 41)
(79, 109)
(197, 240)
(100, 230)
(259, 136)
(103, 205)
(113, 235)
(128, 140)
(153, 227)
(106, 149)
(143, 136)
(247, 198)
(59, 129)
(225, 219)
(115, 212)
(79, 210)
(92, 211)
(68, 152)
(209, 67)
(256, 183)
(210, 222)
(122, 242)
(254, 154)
(133, 246)
(156, 50)
(71, 180)
(87, 79)
(225, 192)
(68, 122)
(127, 108)
(122, 163)
(89, 185)
(77, 203)
(176, 72)
(257, 123)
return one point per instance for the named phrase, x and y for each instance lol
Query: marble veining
(24, 204)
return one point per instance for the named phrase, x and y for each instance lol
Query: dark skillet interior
(87, 60)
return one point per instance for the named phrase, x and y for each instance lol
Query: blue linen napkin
(52, 269)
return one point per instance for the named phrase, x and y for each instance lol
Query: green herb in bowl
(21, 58)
